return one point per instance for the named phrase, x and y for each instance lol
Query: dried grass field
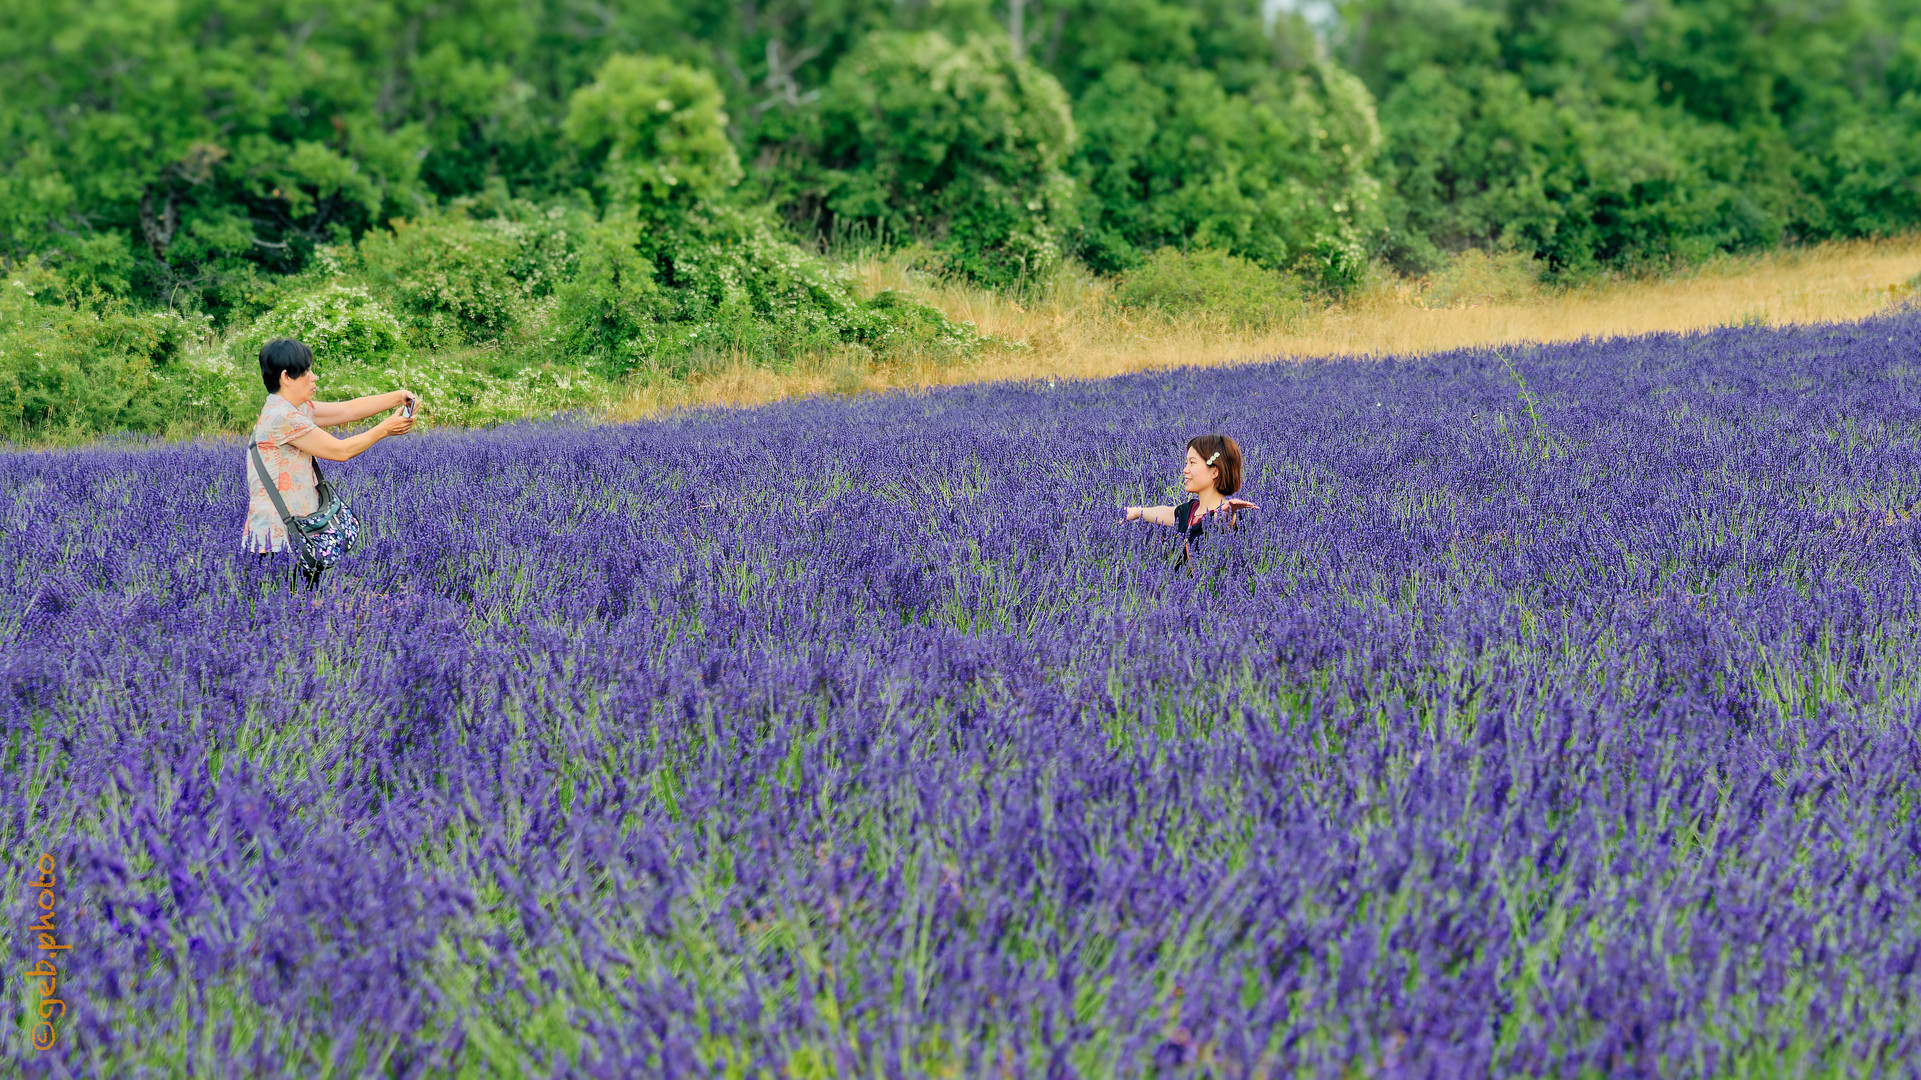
(1072, 329)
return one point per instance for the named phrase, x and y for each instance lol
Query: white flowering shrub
(339, 321)
(454, 280)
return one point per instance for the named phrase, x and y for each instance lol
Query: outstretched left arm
(330, 413)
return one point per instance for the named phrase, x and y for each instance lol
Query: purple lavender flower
(1519, 737)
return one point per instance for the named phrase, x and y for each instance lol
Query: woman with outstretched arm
(1211, 474)
(288, 437)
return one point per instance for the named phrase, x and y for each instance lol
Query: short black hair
(283, 356)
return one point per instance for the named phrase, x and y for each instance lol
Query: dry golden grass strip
(1071, 329)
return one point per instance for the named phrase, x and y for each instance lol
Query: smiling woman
(286, 440)
(1211, 473)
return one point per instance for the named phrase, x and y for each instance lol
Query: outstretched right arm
(1158, 515)
(327, 448)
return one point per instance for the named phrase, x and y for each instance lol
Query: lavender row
(1556, 712)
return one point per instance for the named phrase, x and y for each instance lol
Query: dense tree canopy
(962, 142)
(1594, 132)
(192, 153)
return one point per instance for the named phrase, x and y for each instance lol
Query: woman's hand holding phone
(402, 420)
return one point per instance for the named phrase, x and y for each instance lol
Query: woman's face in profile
(299, 390)
(1197, 476)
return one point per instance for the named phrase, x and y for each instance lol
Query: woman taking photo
(1211, 474)
(287, 439)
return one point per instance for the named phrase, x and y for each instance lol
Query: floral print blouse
(292, 469)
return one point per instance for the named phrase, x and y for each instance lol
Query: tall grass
(1074, 325)
(1071, 326)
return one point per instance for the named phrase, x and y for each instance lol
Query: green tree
(194, 154)
(655, 132)
(1279, 173)
(178, 150)
(677, 268)
(1593, 134)
(962, 143)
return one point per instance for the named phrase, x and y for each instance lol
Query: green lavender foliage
(1554, 715)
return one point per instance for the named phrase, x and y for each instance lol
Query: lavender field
(1559, 713)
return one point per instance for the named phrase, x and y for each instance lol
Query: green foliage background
(573, 195)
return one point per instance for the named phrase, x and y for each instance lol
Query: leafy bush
(738, 288)
(674, 271)
(531, 289)
(1608, 135)
(741, 288)
(655, 131)
(961, 144)
(1208, 282)
(191, 154)
(1868, 183)
(77, 368)
(608, 313)
(1278, 173)
(454, 280)
(726, 283)
(1476, 161)
(472, 386)
(338, 320)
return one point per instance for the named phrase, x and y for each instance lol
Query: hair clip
(1215, 458)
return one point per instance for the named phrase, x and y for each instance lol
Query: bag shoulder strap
(319, 481)
(273, 490)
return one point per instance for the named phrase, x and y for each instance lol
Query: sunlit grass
(1070, 328)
